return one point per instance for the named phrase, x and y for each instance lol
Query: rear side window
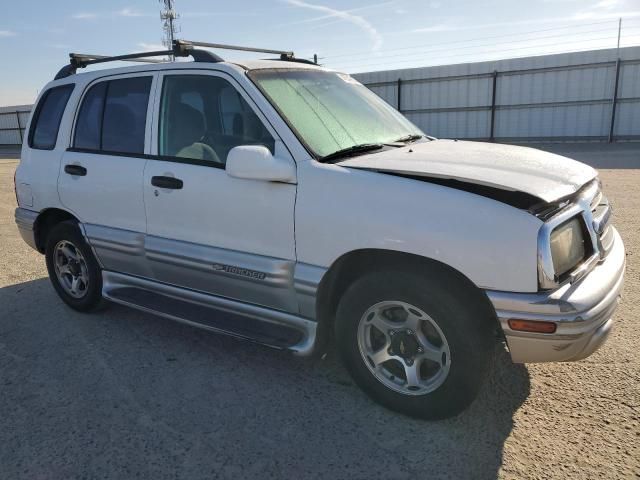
(46, 119)
(89, 124)
(113, 116)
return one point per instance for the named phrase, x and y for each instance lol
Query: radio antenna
(169, 16)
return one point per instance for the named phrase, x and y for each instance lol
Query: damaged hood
(507, 167)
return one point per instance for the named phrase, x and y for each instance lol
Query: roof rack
(287, 56)
(181, 48)
(189, 43)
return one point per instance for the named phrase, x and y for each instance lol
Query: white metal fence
(588, 96)
(12, 123)
(584, 96)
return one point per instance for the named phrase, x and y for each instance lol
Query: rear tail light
(532, 326)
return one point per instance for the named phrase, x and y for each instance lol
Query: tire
(64, 242)
(455, 332)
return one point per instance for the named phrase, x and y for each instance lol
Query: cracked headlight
(567, 246)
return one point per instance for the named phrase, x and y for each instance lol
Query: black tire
(92, 297)
(465, 321)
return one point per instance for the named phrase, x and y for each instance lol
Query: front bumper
(25, 220)
(582, 312)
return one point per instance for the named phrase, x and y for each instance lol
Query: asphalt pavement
(122, 394)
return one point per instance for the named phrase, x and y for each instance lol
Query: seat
(121, 135)
(186, 134)
(238, 125)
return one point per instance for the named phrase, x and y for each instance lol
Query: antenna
(169, 16)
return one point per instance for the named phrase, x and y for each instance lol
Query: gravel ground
(121, 394)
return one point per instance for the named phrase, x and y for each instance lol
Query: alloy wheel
(403, 347)
(71, 269)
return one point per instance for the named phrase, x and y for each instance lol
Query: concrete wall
(547, 98)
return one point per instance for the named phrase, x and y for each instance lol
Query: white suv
(285, 203)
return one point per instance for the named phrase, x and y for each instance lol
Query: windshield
(331, 111)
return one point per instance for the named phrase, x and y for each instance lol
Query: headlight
(567, 246)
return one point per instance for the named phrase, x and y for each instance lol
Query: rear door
(206, 230)
(101, 174)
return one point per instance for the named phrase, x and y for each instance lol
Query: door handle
(167, 182)
(77, 170)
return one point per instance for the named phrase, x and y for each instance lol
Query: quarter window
(89, 123)
(204, 117)
(46, 121)
(113, 116)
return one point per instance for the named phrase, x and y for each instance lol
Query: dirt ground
(121, 394)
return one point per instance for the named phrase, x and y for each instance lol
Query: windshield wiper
(349, 151)
(412, 137)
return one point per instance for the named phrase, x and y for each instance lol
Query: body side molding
(306, 279)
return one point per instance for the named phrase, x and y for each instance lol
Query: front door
(206, 230)
(101, 174)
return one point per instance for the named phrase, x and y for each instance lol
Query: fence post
(399, 99)
(614, 100)
(493, 106)
(19, 127)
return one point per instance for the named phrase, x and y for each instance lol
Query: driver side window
(204, 117)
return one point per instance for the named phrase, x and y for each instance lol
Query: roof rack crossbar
(283, 53)
(88, 59)
(81, 60)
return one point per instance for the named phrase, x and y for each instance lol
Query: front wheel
(415, 344)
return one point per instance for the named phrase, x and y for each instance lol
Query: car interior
(204, 117)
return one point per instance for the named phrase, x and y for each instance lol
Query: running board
(258, 324)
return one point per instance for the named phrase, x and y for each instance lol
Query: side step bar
(218, 314)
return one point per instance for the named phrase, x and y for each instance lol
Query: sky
(348, 35)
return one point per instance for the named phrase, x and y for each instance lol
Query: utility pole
(169, 16)
(619, 31)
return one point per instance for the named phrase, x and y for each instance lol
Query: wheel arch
(46, 220)
(353, 265)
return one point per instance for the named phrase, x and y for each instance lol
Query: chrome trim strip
(112, 281)
(306, 279)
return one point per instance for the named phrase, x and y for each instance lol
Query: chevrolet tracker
(284, 203)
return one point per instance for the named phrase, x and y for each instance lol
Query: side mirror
(255, 162)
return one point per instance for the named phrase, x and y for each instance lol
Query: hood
(544, 175)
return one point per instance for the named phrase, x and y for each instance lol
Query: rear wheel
(73, 270)
(415, 344)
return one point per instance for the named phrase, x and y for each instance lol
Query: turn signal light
(532, 326)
